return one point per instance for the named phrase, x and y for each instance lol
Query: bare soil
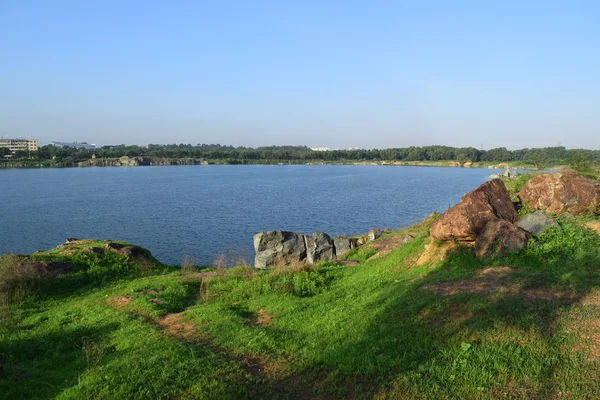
(177, 328)
(118, 301)
(435, 252)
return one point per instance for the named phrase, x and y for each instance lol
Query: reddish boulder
(465, 220)
(561, 193)
(499, 237)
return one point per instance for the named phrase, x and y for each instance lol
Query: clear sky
(370, 74)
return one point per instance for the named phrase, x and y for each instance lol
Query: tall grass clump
(17, 280)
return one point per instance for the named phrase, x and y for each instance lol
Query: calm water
(200, 211)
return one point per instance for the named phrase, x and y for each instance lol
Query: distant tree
(581, 164)
(21, 154)
(4, 151)
(537, 159)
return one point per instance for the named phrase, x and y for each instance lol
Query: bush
(17, 280)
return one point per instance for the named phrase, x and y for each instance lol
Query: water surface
(200, 211)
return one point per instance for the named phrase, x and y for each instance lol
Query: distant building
(320, 149)
(76, 145)
(19, 144)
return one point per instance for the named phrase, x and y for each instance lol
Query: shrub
(17, 280)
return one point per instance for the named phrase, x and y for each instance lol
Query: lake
(201, 211)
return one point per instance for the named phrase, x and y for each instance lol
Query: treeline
(216, 152)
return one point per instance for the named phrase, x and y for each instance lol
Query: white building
(19, 144)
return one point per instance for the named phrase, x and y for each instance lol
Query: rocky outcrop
(537, 222)
(467, 219)
(484, 220)
(115, 162)
(140, 161)
(273, 247)
(560, 193)
(499, 237)
(281, 247)
(319, 247)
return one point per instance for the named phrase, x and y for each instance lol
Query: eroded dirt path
(274, 375)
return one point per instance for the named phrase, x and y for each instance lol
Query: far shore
(135, 162)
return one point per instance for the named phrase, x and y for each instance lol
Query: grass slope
(113, 330)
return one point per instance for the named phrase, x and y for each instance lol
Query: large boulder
(342, 245)
(499, 237)
(468, 218)
(536, 222)
(564, 192)
(319, 247)
(273, 247)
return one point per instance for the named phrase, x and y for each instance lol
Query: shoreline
(133, 162)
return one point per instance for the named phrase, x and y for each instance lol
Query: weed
(93, 352)
(17, 280)
(239, 257)
(220, 261)
(188, 264)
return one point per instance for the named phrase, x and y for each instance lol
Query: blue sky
(321, 73)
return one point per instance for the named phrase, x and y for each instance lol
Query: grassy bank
(403, 323)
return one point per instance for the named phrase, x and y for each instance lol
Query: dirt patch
(435, 252)
(497, 280)
(177, 328)
(386, 245)
(118, 301)
(272, 372)
(156, 300)
(203, 275)
(150, 292)
(593, 226)
(263, 318)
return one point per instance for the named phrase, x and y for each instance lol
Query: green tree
(579, 163)
(536, 159)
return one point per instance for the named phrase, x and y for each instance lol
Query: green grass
(366, 331)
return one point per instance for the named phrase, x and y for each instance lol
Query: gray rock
(272, 247)
(319, 247)
(374, 233)
(342, 245)
(536, 222)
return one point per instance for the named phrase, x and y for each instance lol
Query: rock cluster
(467, 219)
(282, 247)
(485, 219)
